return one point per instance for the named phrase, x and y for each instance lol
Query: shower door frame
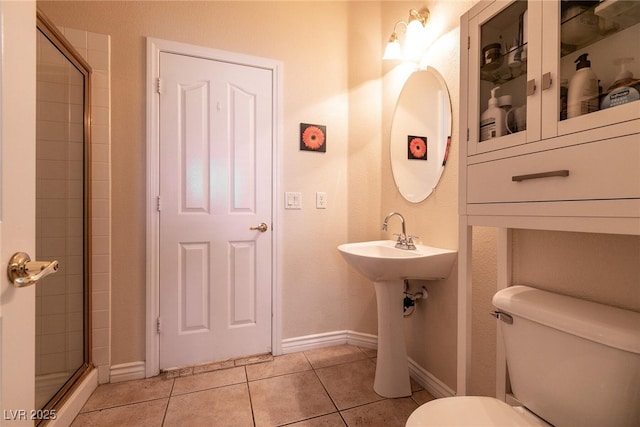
(49, 30)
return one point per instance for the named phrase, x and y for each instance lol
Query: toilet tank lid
(604, 324)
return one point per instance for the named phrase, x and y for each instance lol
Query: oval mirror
(420, 134)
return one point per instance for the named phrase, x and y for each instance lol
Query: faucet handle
(403, 243)
(410, 244)
(401, 237)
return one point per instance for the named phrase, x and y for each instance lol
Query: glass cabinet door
(503, 70)
(599, 63)
(540, 70)
(504, 59)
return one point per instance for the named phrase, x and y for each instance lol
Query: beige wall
(332, 75)
(316, 42)
(596, 267)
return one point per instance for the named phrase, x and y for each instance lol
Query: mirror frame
(420, 140)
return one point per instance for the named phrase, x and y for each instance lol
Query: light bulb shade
(411, 49)
(414, 29)
(413, 41)
(393, 50)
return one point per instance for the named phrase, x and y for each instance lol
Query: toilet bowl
(472, 411)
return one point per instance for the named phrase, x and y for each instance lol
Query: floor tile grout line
(321, 383)
(339, 411)
(279, 375)
(307, 419)
(207, 389)
(253, 414)
(166, 409)
(122, 405)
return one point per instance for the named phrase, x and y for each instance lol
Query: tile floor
(328, 387)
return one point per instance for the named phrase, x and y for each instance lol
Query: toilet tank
(572, 362)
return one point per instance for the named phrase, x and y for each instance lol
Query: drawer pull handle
(519, 178)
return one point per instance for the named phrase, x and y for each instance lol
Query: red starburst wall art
(313, 137)
(417, 147)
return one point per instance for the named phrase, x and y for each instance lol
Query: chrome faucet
(404, 241)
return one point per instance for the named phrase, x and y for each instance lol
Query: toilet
(571, 362)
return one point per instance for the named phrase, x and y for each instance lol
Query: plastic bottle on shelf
(492, 120)
(624, 89)
(583, 89)
(505, 103)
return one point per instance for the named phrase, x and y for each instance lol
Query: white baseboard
(311, 342)
(127, 371)
(362, 340)
(427, 380)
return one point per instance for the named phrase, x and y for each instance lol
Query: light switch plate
(292, 200)
(321, 200)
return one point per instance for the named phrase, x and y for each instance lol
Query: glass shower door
(62, 339)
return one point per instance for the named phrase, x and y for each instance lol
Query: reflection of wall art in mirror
(313, 137)
(417, 147)
(446, 151)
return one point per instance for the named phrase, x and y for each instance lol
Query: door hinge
(468, 42)
(159, 85)
(158, 204)
(158, 325)
(467, 134)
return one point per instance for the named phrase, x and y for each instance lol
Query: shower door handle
(24, 272)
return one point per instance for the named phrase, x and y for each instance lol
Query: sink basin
(387, 267)
(381, 261)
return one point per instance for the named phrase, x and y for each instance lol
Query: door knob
(24, 272)
(261, 228)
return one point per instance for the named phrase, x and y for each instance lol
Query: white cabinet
(545, 171)
(528, 49)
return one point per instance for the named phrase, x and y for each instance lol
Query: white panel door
(17, 208)
(215, 185)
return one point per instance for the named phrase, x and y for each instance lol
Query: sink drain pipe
(409, 302)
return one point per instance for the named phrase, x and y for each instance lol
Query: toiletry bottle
(492, 120)
(583, 89)
(505, 103)
(624, 89)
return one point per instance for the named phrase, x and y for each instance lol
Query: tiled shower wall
(59, 173)
(95, 49)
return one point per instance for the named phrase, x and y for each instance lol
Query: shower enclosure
(62, 216)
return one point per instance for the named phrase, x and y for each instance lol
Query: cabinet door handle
(519, 178)
(531, 87)
(546, 81)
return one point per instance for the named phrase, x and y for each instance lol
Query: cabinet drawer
(607, 169)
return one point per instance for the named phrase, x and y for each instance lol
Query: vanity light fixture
(415, 24)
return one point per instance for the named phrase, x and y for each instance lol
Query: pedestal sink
(387, 267)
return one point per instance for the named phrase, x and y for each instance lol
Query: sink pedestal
(392, 368)
(386, 266)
